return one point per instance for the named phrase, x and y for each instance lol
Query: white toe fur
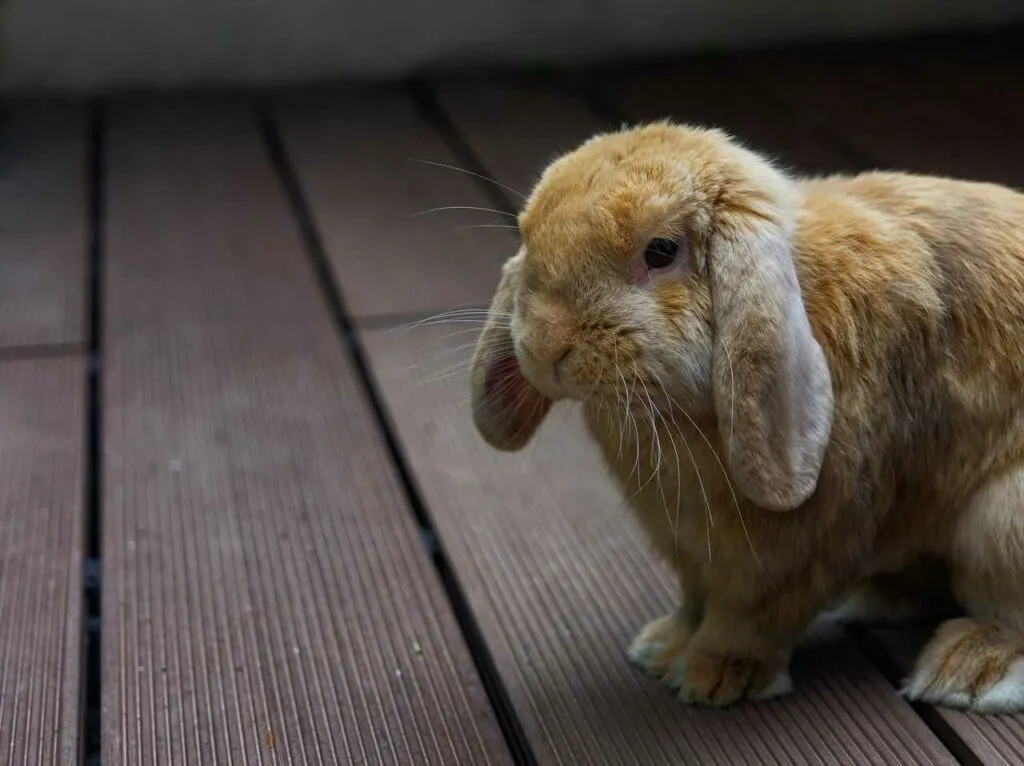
(642, 653)
(1005, 696)
(674, 676)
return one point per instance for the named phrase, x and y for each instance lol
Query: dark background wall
(87, 44)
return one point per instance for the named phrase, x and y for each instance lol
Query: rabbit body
(823, 392)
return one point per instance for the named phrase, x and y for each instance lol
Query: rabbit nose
(547, 351)
(549, 340)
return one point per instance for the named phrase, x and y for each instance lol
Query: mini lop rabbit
(804, 387)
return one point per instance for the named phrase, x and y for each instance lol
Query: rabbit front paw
(660, 645)
(704, 678)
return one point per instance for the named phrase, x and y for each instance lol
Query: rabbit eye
(660, 253)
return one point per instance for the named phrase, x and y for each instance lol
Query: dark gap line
(42, 351)
(92, 671)
(434, 114)
(515, 736)
(931, 716)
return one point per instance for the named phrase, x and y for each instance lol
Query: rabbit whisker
(709, 520)
(433, 358)
(619, 404)
(481, 176)
(446, 208)
(658, 452)
(729, 484)
(679, 492)
(440, 377)
(636, 430)
(732, 408)
(455, 313)
(454, 334)
(486, 226)
(672, 519)
(477, 321)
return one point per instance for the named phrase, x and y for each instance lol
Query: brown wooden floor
(244, 516)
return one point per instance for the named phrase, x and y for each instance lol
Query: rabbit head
(660, 259)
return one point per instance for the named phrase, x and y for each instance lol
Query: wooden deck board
(560, 580)
(356, 157)
(41, 565)
(42, 226)
(267, 598)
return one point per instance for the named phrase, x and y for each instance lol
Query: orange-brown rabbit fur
(824, 386)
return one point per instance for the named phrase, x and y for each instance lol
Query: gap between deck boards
(92, 671)
(511, 727)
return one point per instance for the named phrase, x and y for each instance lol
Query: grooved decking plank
(560, 579)
(356, 156)
(42, 420)
(43, 214)
(267, 598)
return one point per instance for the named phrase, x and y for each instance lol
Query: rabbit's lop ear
(507, 409)
(773, 390)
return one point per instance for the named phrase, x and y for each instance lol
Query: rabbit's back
(915, 289)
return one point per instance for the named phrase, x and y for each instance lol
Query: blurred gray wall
(87, 44)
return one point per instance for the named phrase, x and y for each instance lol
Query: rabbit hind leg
(977, 662)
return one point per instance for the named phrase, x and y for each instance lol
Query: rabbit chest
(675, 483)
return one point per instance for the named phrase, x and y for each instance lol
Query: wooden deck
(244, 515)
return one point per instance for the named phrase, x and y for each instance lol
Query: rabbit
(804, 387)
